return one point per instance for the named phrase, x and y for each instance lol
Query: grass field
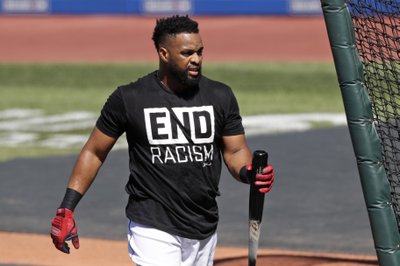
(261, 88)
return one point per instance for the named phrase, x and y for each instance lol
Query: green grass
(57, 88)
(8, 153)
(282, 88)
(261, 88)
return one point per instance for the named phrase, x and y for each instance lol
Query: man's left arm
(238, 159)
(236, 154)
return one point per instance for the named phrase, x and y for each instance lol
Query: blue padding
(246, 7)
(138, 7)
(92, 7)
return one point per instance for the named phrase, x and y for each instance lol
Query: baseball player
(179, 126)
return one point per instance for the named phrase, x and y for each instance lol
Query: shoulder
(144, 83)
(129, 91)
(213, 83)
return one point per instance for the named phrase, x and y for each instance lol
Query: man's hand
(63, 229)
(263, 181)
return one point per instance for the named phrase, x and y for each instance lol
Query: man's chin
(192, 82)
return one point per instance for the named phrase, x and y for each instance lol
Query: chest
(169, 120)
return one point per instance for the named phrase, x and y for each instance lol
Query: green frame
(366, 142)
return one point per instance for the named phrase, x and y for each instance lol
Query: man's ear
(164, 55)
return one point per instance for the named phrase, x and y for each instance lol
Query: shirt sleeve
(113, 118)
(233, 120)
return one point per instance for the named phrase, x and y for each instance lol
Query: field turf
(261, 88)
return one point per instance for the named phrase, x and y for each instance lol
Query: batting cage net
(376, 26)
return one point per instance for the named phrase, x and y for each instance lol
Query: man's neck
(169, 83)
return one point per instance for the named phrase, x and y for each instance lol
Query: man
(179, 126)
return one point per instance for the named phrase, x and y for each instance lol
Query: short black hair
(171, 26)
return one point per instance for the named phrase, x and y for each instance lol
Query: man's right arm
(90, 159)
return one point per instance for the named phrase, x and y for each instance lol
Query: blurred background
(61, 59)
(157, 7)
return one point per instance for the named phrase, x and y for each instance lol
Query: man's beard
(183, 76)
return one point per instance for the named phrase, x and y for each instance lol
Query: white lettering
(25, 6)
(169, 156)
(155, 153)
(169, 6)
(181, 150)
(183, 154)
(164, 128)
(198, 156)
(209, 154)
(190, 155)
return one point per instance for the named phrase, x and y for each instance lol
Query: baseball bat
(256, 205)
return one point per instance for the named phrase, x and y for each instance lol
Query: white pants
(151, 247)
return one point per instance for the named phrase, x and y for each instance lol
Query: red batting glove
(63, 229)
(263, 181)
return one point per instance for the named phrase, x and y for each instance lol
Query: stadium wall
(162, 7)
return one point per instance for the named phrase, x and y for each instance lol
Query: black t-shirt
(174, 151)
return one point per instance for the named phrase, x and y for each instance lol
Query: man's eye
(190, 53)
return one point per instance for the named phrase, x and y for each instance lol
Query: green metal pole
(365, 140)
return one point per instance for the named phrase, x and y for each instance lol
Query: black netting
(376, 25)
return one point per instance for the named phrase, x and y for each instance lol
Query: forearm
(237, 161)
(83, 174)
(84, 171)
(236, 154)
(87, 165)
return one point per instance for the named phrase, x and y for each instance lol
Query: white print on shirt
(162, 129)
(183, 154)
(170, 143)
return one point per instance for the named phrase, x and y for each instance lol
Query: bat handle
(260, 160)
(256, 200)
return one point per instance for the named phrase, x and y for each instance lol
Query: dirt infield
(33, 249)
(128, 39)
